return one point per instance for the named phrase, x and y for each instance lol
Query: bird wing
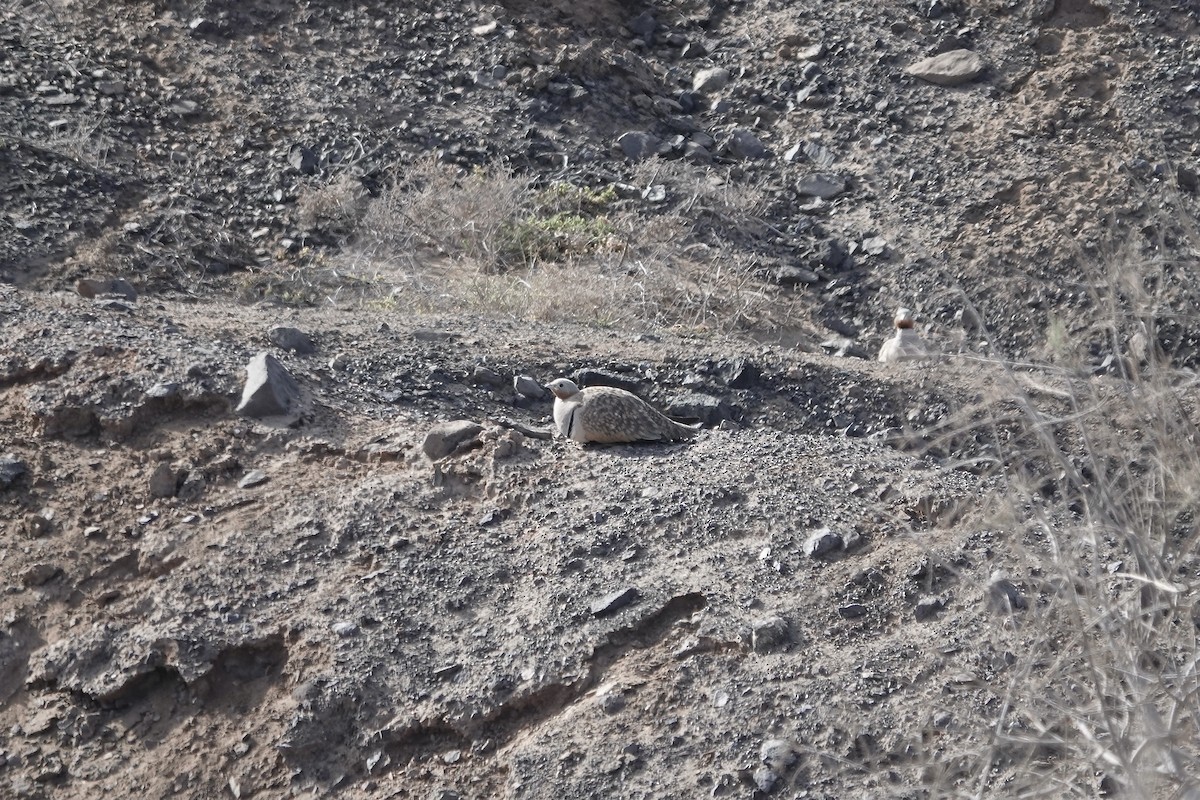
(615, 415)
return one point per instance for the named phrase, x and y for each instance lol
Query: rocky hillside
(965, 576)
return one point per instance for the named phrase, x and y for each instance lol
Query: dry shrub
(334, 208)
(485, 241)
(434, 209)
(573, 291)
(1102, 522)
(83, 141)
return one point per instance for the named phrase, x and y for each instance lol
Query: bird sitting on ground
(906, 345)
(607, 415)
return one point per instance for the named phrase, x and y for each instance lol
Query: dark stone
(292, 339)
(705, 408)
(821, 542)
(11, 468)
(831, 254)
(769, 633)
(163, 481)
(303, 159)
(638, 145)
(643, 26)
(112, 304)
(928, 607)
(485, 376)
(594, 377)
(193, 486)
(611, 603)
(1188, 179)
(744, 144)
(1003, 595)
(852, 610)
(739, 373)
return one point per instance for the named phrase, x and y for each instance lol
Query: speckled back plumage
(607, 415)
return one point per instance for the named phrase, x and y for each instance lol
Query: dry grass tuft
(485, 241)
(1101, 527)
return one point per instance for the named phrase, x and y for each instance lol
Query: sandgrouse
(906, 345)
(604, 414)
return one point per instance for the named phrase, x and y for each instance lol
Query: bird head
(904, 318)
(563, 388)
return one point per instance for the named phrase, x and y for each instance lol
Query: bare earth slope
(371, 621)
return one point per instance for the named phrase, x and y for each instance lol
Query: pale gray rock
(270, 390)
(163, 391)
(875, 245)
(794, 276)
(778, 754)
(444, 438)
(1003, 594)
(163, 481)
(953, 68)
(824, 185)
(766, 779)
(254, 477)
(713, 79)
(528, 387)
(613, 602)
(345, 629)
(744, 144)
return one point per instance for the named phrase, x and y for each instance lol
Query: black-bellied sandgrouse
(607, 415)
(906, 345)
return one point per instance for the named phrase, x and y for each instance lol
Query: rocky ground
(837, 590)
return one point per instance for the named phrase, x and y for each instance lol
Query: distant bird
(906, 345)
(605, 414)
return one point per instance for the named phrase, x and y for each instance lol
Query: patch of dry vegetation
(485, 241)
(1102, 528)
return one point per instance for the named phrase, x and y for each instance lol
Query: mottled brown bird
(604, 414)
